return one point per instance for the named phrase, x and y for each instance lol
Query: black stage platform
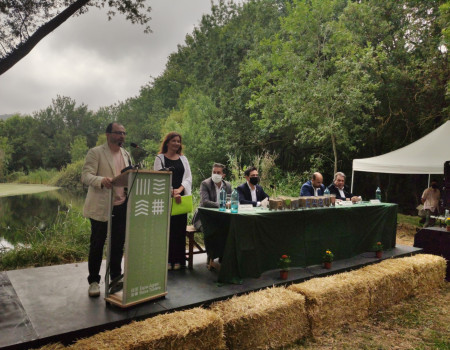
(50, 304)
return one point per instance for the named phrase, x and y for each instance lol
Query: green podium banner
(147, 237)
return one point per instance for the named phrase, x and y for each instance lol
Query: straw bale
(334, 300)
(429, 271)
(53, 346)
(389, 282)
(266, 319)
(191, 329)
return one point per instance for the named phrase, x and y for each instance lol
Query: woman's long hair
(170, 136)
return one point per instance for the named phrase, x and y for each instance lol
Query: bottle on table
(378, 194)
(326, 194)
(234, 201)
(222, 199)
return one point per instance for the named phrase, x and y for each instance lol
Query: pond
(19, 213)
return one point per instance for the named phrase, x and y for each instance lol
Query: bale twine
(429, 271)
(267, 319)
(191, 329)
(334, 300)
(389, 282)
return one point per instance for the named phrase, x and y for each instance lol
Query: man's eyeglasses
(123, 133)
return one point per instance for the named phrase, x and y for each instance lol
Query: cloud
(96, 61)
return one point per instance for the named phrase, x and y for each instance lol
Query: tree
(23, 24)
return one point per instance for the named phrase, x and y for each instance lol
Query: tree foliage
(24, 23)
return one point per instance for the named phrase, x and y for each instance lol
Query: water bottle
(222, 199)
(378, 194)
(326, 194)
(234, 201)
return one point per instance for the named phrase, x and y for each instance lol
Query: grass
(415, 323)
(65, 241)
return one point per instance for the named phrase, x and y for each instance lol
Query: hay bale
(191, 329)
(53, 346)
(389, 282)
(334, 300)
(266, 319)
(429, 271)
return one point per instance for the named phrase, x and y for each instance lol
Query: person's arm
(242, 199)
(424, 197)
(305, 191)
(186, 182)
(89, 175)
(205, 200)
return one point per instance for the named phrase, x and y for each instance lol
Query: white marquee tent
(424, 156)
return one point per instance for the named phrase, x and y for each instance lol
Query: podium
(146, 237)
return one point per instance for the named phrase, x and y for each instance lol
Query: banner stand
(146, 237)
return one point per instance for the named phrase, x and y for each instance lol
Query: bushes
(70, 176)
(65, 241)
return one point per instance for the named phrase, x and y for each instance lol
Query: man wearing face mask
(210, 191)
(430, 200)
(250, 192)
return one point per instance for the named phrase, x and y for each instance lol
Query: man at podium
(102, 164)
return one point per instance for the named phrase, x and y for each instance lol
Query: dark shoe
(116, 285)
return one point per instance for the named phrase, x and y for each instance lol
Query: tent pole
(429, 176)
(353, 174)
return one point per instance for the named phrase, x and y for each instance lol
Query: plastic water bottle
(326, 194)
(222, 199)
(378, 194)
(234, 201)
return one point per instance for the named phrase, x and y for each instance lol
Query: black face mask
(434, 186)
(254, 180)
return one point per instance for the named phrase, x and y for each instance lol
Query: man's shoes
(94, 290)
(116, 285)
(176, 266)
(169, 266)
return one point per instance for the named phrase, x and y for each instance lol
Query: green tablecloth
(252, 242)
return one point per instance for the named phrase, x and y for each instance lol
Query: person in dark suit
(313, 187)
(339, 188)
(250, 192)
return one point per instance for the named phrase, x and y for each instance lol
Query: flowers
(378, 247)
(285, 262)
(447, 222)
(329, 256)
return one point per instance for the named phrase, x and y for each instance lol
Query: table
(252, 242)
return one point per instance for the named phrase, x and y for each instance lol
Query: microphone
(135, 145)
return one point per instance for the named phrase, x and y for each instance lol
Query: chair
(190, 232)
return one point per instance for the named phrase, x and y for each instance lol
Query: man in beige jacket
(102, 164)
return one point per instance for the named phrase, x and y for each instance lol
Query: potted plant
(284, 263)
(328, 259)
(378, 247)
(447, 222)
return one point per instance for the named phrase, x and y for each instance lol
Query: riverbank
(15, 189)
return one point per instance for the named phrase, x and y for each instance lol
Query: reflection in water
(18, 214)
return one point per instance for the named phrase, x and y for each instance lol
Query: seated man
(430, 200)
(250, 192)
(313, 187)
(210, 188)
(210, 191)
(341, 190)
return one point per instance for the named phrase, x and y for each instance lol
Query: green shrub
(39, 176)
(65, 241)
(70, 176)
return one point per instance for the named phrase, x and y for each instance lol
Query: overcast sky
(98, 62)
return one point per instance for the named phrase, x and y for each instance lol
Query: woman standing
(171, 156)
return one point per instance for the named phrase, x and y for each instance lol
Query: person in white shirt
(430, 200)
(339, 188)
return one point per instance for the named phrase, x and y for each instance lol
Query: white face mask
(216, 178)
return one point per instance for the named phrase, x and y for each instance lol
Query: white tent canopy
(424, 156)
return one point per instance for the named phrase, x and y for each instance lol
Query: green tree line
(314, 83)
